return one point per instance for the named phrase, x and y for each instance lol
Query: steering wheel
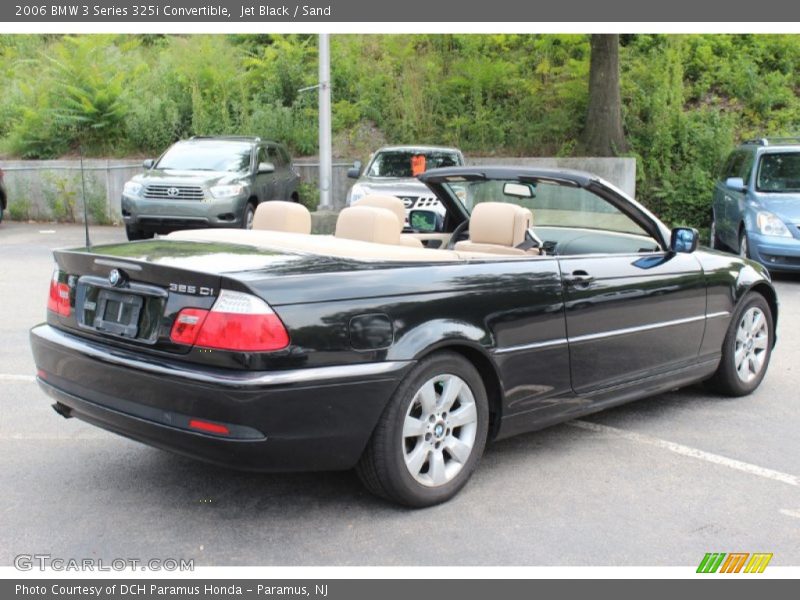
(462, 227)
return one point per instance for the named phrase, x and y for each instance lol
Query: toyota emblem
(173, 192)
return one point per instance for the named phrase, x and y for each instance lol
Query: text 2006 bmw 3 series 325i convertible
(540, 296)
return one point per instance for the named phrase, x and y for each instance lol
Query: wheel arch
(487, 370)
(771, 297)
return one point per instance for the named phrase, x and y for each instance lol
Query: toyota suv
(393, 171)
(207, 182)
(756, 203)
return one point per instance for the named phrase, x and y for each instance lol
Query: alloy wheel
(439, 430)
(752, 339)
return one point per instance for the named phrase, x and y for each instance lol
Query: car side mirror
(148, 164)
(684, 239)
(355, 171)
(735, 183)
(425, 221)
(266, 167)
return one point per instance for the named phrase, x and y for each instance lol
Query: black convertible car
(541, 296)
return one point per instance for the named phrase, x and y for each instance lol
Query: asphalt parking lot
(658, 482)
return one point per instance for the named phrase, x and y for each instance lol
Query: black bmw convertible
(540, 296)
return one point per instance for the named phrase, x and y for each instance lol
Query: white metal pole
(325, 151)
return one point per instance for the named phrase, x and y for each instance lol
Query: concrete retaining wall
(52, 188)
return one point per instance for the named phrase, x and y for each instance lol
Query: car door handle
(578, 277)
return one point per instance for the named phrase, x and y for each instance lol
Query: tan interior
(278, 215)
(371, 233)
(368, 224)
(497, 228)
(394, 204)
(326, 245)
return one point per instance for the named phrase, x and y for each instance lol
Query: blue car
(756, 205)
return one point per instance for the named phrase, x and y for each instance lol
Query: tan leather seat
(394, 204)
(368, 224)
(497, 228)
(277, 215)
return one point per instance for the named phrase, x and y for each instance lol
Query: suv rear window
(779, 172)
(401, 163)
(207, 156)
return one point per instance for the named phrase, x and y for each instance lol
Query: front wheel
(714, 241)
(744, 245)
(134, 234)
(431, 434)
(249, 215)
(747, 348)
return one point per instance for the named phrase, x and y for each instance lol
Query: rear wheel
(747, 348)
(431, 434)
(249, 215)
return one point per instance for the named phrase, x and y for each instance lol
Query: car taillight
(236, 322)
(58, 300)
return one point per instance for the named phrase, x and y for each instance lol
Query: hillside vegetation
(686, 99)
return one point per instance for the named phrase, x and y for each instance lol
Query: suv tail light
(58, 300)
(236, 322)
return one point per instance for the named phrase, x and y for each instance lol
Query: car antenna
(85, 212)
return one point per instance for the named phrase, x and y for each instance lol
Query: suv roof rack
(244, 138)
(774, 141)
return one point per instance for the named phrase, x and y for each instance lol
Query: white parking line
(10, 377)
(790, 513)
(689, 451)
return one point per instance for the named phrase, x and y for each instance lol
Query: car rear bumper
(775, 253)
(305, 419)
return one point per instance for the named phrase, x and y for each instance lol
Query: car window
(408, 163)
(746, 168)
(275, 157)
(552, 205)
(207, 156)
(779, 172)
(284, 155)
(736, 165)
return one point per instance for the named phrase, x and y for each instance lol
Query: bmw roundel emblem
(116, 278)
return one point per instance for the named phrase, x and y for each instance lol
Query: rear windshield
(779, 172)
(406, 163)
(211, 156)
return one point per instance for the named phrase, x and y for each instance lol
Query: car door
(279, 176)
(265, 182)
(633, 310)
(732, 202)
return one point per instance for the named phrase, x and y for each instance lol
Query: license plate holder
(118, 313)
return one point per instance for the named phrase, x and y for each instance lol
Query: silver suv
(393, 171)
(207, 182)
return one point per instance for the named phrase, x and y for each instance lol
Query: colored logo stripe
(734, 562)
(758, 562)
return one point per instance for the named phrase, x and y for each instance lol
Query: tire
(417, 456)
(750, 337)
(249, 215)
(714, 240)
(134, 234)
(744, 244)
(2, 211)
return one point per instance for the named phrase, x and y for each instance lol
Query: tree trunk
(602, 134)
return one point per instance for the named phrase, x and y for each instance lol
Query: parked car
(207, 182)
(393, 171)
(285, 351)
(756, 203)
(3, 196)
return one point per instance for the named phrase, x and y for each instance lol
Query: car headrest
(499, 223)
(278, 215)
(368, 224)
(392, 203)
